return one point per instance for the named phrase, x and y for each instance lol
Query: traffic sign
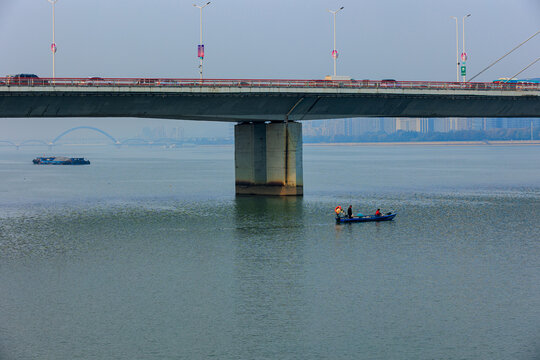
(463, 70)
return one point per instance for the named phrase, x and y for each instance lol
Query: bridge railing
(263, 83)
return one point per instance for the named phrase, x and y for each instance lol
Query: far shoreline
(437, 143)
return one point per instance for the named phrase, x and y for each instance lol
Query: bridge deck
(262, 100)
(265, 83)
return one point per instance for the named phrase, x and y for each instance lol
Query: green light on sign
(463, 70)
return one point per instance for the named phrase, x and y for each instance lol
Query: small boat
(60, 160)
(366, 218)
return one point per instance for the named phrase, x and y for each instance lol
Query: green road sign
(463, 70)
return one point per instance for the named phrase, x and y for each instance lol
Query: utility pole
(53, 45)
(457, 49)
(464, 53)
(334, 51)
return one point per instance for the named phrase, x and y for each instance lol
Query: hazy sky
(404, 40)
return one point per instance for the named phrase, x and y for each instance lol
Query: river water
(147, 254)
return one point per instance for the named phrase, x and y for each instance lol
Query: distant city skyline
(351, 127)
(358, 126)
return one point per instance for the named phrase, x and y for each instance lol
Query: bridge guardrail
(262, 83)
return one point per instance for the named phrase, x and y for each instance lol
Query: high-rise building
(368, 125)
(516, 123)
(405, 124)
(456, 124)
(493, 123)
(426, 125)
(422, 125)
(388, 125)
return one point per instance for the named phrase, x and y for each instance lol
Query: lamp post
(335, 52)
(457, 49)
(53, 45)
(200, 48)
(464, 53)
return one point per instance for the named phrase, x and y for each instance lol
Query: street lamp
(464, 53)
(200, 48)
(53, 45)
(335, 52)
(457, 49)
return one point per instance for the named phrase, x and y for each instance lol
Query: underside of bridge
(262, 105)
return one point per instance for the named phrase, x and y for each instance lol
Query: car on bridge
(97, 81)
(388, 83)
(157, 82)
(147, 82)
(93, 81)
(167, 82)
(25, 79)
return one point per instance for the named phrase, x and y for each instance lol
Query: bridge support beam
(268, 159)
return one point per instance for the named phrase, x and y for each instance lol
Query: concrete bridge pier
(268, 159)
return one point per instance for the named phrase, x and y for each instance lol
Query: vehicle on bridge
(60, 160)
(147, 82)
(25, 79)
(517, 81)
(529, 81)
(94, 81)
(389, 83)
(168, 82)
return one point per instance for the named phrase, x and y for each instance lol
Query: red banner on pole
(200, 52)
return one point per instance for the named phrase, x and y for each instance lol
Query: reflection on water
(256, 212)
(269, 271)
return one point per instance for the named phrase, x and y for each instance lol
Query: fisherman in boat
(349, 212)
(378, 212)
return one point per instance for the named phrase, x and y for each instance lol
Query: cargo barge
(60, 160)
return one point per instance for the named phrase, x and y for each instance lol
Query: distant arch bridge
(87, 128)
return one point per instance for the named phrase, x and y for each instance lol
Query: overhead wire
(502, 57)
(525, 68)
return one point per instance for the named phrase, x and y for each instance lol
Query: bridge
(263, 100)
(114, 141)
(268, 136)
